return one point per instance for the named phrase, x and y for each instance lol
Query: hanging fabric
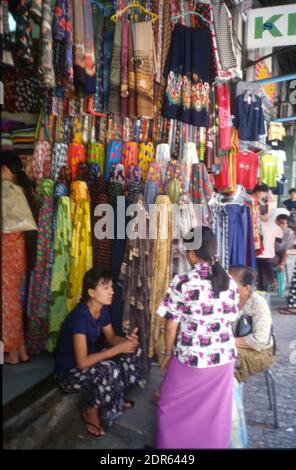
(46, 69)
(114, 90)
(61, 267)
(187, 87)
(160, 273)
(39, 290)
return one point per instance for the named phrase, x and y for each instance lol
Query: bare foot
(22, 354)
(92, 421)
(11, 357)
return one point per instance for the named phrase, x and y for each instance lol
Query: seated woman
(255, 349)
(80, 366)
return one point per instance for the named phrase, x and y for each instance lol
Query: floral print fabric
(205, 336)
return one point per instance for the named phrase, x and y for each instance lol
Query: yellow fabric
(79, 191)
(77, 130)
(276, 131)
(81, 252)
(161, 273)
(146, 157)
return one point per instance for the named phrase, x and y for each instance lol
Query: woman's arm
(171, 329)
(85, 360)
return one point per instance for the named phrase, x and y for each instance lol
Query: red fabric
(223, 99)
(246, 169)
(222, 181)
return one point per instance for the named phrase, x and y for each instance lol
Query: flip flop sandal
(286, 311)
(127, 404)
(99, 428)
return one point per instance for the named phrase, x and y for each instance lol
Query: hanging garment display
(114, 90)
(249, 117)
(81, 251)
(62, 33)
(61, 267)
(101, 247)
(269, 170)
(189, 158)
(247, 164)
(39, 290)
(187, 87)
(135, 273)
(46, 69)
(146, 157)
(160, 273)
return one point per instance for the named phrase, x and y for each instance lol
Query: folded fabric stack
(6, 141)
(23, 139)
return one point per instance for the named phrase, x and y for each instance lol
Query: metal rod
(286, 119)
(282, 78)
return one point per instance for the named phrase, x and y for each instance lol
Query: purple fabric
(195, 407)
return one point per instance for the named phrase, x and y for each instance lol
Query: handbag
(16, 213)
(244, 326)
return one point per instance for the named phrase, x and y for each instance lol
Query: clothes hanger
(135, 5)
(174, 19)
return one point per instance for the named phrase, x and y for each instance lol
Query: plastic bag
(16, 213)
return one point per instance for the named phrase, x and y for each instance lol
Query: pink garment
(195, 407)
(223, 98)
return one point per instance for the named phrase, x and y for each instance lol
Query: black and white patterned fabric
(292, 291)
(106, 382)
(223, 31)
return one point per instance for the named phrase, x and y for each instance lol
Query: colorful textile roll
(146, 157)
(76, 155)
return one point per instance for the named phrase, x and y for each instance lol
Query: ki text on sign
(271, 27)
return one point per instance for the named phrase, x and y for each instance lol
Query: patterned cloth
(114, 91)
(76, 155)
(23, 38)
(26, 95)
(81, 252)
(106, 382)
(113, 156)
(205, 336)
(129, 155)
(13, 271)
(220, 229)
(146, 157)
(292, 290)
(101, 247)
(59, 158)
(39, 290)
(201, 189)
(96, 154)
(60, 271)
(45, 68)
(160, 273)
(135, 273)
(189, 158)
(224, 36)
(187, 87)
(42, 160)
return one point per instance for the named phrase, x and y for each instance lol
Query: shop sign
(271, 27)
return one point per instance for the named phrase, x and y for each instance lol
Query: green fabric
(60, 271)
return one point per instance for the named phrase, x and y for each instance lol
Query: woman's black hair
(207, 252)
(12, 161)
(92, 278)
(247, 275)
(260, 187)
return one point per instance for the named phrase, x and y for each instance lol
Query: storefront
(103, 102)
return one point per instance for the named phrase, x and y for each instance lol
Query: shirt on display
(281, 156)
(269, 170)
(249, 117)
(246, 169)
(276, 131)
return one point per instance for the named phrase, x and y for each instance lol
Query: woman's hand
(165, 362)
(133, 336)
(127, 346)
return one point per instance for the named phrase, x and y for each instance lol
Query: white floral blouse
(205, 337)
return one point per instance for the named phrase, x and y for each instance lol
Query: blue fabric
(237, 233)
(190, 55)
(79, 321)
(249, 118)
(251, 255)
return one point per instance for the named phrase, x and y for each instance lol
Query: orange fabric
(13, 271)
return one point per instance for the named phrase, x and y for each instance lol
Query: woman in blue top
(80, 366)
